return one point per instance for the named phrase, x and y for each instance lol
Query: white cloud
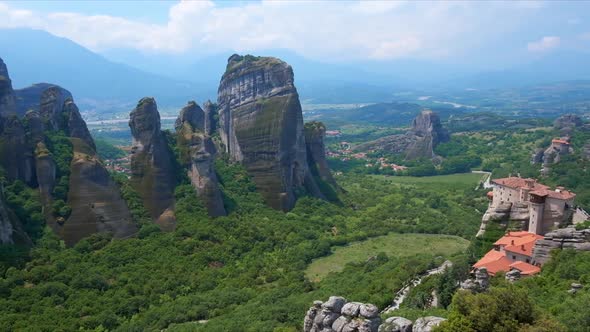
(545, 44)
(363, 29)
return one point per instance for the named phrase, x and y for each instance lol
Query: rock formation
(503, 212)
(210, 110)
(563, 238)
(197, 154)
(93, 197)
(512, 275)
(419, 142)
(16, 155)
(338, 315)
(152, 171)
(479, 283)
(396, 324)
(7, 101)
(316, 153)
(567, 123)
(427, 324)
(11, 231)
(552, 155)
(261, 126)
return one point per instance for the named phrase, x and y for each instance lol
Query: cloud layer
(379, 30)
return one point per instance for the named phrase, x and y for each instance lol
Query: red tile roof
(525, 268)
(515, 242)
(536, 189)
(561, 141)
(494, 261)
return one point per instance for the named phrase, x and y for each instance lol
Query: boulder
(334, 304)
(369, 310)
(351, 309)
(427, 324)
(152, 170)
(396, 324)
(261, 126)
(563, 238)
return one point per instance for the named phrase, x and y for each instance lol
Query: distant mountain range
(127, 75)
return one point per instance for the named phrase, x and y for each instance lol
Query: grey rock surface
(152, 173)
(425, 134)
(261, 126)
(197, 155)
(427, 324)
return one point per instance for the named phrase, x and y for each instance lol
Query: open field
(393, 244)
(464, 178)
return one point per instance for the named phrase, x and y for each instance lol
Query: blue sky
(328, 31)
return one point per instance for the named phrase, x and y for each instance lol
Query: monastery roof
(560, 141)
(525, 268)
(494, 261)
(536, 189)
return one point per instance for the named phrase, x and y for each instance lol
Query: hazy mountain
(36, 56)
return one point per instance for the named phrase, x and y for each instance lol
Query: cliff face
(95, 199)
(210, 112)
(15, 151)
(11, 231)
(152, 173)
(316, 152)
(425, 134)
(7, 101)
(564, 238)
(197, 153)
(261, 126)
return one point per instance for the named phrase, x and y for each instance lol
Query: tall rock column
(152, 171)
(261, 126)
(7, 100)
(197, 153)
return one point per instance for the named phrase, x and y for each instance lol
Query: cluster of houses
(545, 207)
(345, 153)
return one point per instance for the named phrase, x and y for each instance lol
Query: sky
(344, 31)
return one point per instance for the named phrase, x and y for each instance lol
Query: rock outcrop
(425, 134)
(197, 154)
(479, 283)
(563, 238)
(567, 123)
(338, 315)
(11, 231)
(316, 153)
(152, 171)
(261, 126)
(503, 212)
(16, 155)
(427, 324)
(7, 100)
(93, 197)
(396, 324)
(211, 115)
(95, 200)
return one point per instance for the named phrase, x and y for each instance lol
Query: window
(528, 260)
(513, 257)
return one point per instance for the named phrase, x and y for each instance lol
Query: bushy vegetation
(241, 272)
(106, 150)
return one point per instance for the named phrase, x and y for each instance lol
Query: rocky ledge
(338, 315)
(563, 238)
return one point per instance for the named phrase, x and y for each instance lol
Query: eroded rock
(152, 172)
(261, 126)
